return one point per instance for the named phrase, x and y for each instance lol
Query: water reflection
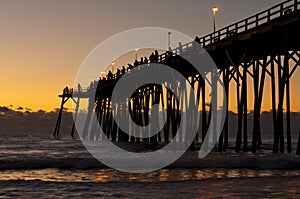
(164, 175)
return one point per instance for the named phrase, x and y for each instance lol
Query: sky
(44, 42)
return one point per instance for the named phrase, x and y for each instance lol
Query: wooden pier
(264, 45)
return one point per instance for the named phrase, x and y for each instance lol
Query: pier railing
(285, 8)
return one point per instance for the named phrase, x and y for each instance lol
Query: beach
(272, 187)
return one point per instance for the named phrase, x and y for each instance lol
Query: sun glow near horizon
(44, 43)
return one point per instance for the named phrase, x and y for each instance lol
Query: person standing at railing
(109, 75)
(130, 66)
(91, 85)
(66, 90)
(156, 56)
(180, 47)
(118, 73)
(168, 54)
(136, 63)
(142, 61)
(79, 88)
(123, 70)
(152, 57)
(146, 60)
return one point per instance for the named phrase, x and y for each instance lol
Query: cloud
(20, 108)
(41, 112)
(58, 109)
(5, 109)
(13, 120)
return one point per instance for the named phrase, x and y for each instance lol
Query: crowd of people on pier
(153, 58)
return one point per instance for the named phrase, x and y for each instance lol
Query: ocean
(39, 166)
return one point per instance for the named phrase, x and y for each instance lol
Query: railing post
(256, 20)
(203, 42)
(269, 15)
(281, 9)
(246, 24)
(298, 145)
(295, 5)
(227, 31)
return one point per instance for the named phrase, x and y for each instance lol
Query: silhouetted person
(146, 60)
(169, 54)
(136, 63)
(180, 47)
(123, 70)
(91, 85)
(79, 88)
(118, 73)
(109, 75)
(142, 61)
(156, 56)
(197, 39)
(152, 57)
(65, 90)
(130, 66)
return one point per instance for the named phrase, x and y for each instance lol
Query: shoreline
(42, 151)
(189, 160)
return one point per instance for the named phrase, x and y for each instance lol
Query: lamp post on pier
(112, 67)
(136, 53)
(215, 10)
(169, 41)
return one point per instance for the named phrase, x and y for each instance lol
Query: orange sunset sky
(43, 43)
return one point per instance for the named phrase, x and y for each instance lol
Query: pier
(263, 47)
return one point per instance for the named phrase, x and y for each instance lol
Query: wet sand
(273, 187)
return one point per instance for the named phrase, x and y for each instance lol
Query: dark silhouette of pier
(264, 45)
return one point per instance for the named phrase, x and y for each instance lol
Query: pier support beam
(64, 99)
(75, 115)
